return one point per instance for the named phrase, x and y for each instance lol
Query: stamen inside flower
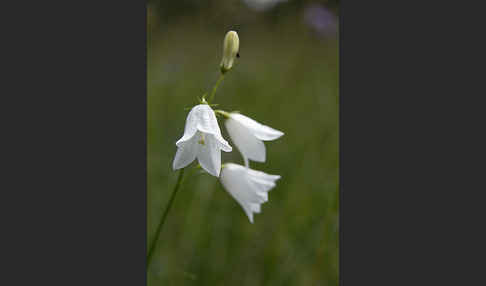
(202, 139)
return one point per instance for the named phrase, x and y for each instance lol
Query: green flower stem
(162, 221)
(222, 112)
(220, 79)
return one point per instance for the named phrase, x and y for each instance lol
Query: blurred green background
(287, 78)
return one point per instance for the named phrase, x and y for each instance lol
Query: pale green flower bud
(231, 46)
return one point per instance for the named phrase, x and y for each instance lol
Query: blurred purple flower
(320, 19)
(262, 5)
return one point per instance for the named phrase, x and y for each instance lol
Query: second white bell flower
(202, 140)
(248, 187)
(247, 135)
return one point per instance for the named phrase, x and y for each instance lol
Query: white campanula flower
(247, 135)
(202, 140)
(248, 187)
(231, 45)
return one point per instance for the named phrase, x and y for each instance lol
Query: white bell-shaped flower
(247, 135)
(202, 140)
(248, 187)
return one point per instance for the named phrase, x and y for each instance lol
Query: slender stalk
(220, 79)
(222, 112)
(164, 216)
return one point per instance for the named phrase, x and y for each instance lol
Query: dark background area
(287, 78)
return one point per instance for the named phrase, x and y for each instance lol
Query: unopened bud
(230, 50)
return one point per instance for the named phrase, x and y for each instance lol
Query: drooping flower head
(248, 187)
(231, 45)
(202, 140)
(247, 135)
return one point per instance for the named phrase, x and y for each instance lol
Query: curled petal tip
(279, 134)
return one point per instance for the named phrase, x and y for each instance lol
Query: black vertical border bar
(74, 205)
(411, 156)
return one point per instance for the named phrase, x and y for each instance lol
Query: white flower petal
(262, 181)
(255, 174)
(209, 155)
(249, 214)
(191, 125)
(248, 187)
(223, 144)
(256, 208)
(202, 139)
(206, 122)
(263, 196)
(249, 146)
(259, 130)
(186, 153)
(234, 181)
(262, 188)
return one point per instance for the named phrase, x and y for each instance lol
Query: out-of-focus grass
(286, 78)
